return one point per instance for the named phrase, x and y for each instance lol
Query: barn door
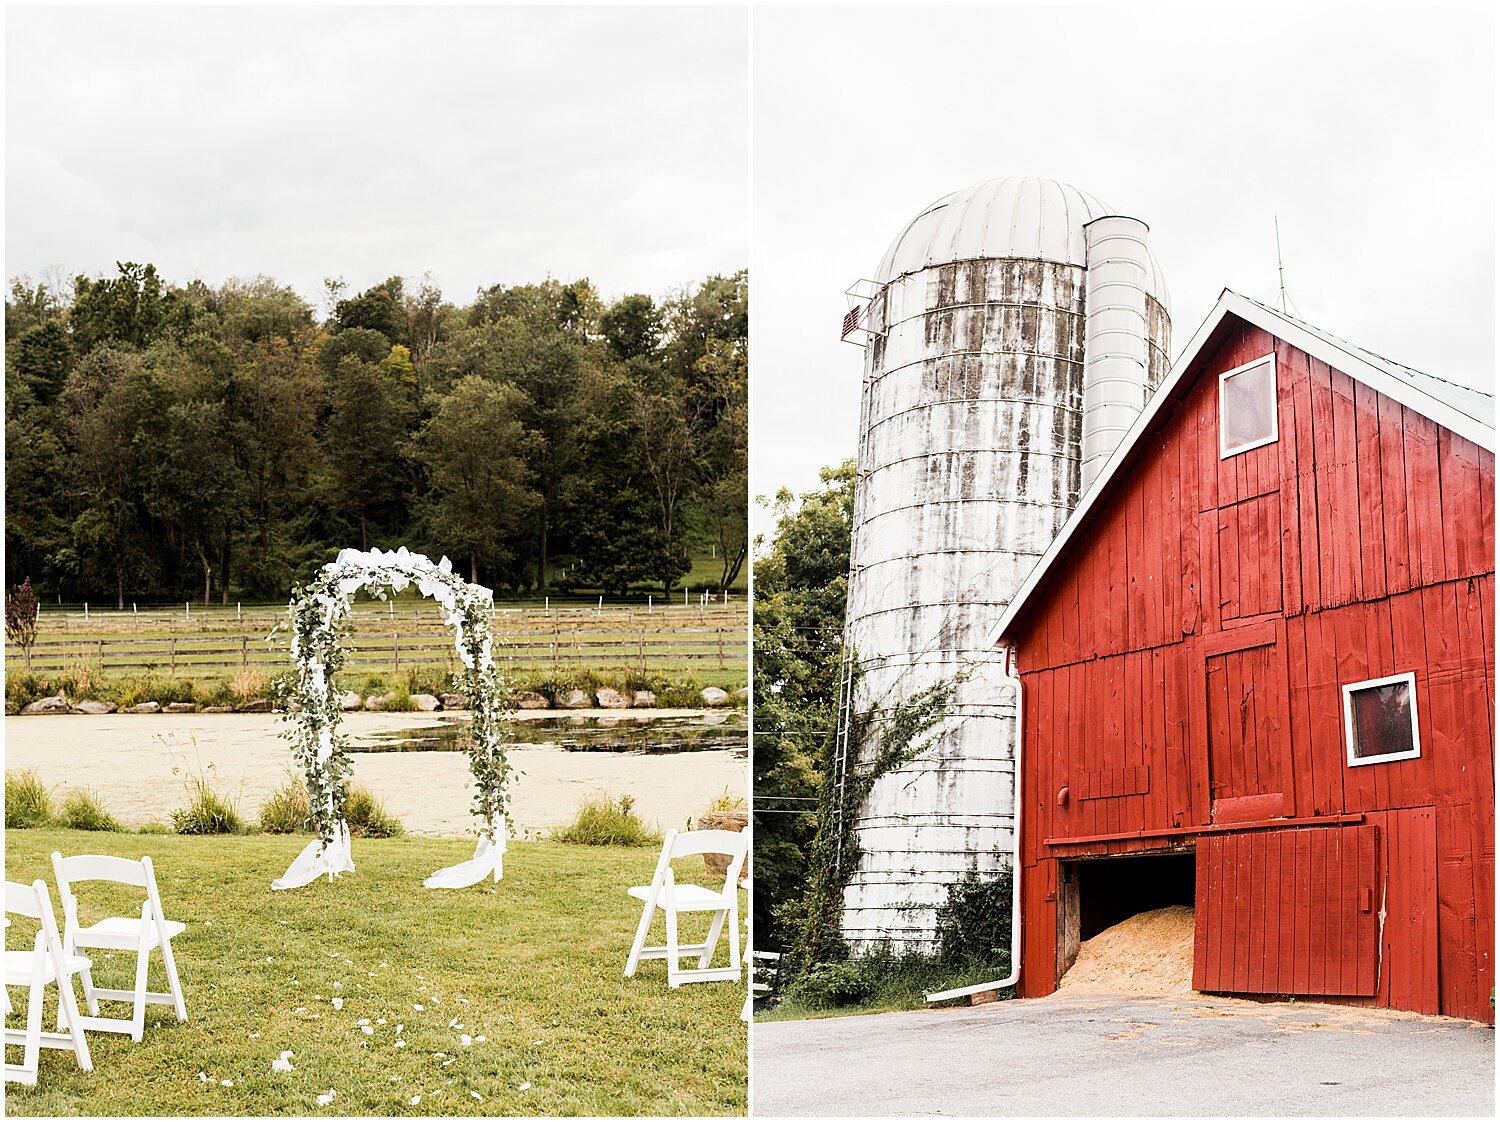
(1288, 911)
(1246, 766)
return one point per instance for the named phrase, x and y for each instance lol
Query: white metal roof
(1468, 412)
(1014, 216)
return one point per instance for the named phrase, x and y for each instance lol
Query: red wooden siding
(1288, 912)
(1185, 659)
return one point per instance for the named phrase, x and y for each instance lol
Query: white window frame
(1410, 679)
(1224, 450)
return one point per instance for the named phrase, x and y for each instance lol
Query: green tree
(367, 427)
(632, 327)
(801, 584)
(129, 308)
(375, 309)
(474, 448)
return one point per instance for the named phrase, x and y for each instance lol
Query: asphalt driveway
(1086, 1055)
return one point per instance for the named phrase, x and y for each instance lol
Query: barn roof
(1468, 412)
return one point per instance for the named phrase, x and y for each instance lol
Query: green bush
(28, 803)
(367, 816)
(287, 811)
(973, 924)
(603, 820)
(207, 812)
(82, 810)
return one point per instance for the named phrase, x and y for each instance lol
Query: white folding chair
(47, 962)
(673, 899)
(120, 933)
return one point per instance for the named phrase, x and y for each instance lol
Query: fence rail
(641, 649)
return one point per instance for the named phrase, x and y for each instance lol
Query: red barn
(1258, 677)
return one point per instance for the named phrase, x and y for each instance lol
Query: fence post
(174, 655)
(101, 654)
(244, 651)
(556, 642)
(643, 652)
(721, 648)
(396, 646)
(85, 611)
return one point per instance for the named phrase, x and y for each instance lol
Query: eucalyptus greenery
(318, 617)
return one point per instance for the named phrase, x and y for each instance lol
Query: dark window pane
(1382, 720)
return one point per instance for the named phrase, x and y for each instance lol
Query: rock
(143, 707)
(97, 707)
(736, 820)
(217, 709)
(577, 699)
(349, 700)
(181, 707)
(611, 699)
(527, 699)
(713, 695)
(379, 700)
(456, 701)
(742, 693)
(425, 702)
(259, 705)
(644, 699)
(54, 704)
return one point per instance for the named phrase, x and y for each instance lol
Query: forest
(168, 442)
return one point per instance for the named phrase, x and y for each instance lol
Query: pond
(639, 733)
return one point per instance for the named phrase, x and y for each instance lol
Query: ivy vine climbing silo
(1012, 332)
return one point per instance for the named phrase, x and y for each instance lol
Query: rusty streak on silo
(972, 433)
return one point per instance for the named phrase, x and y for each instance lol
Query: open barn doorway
(1129, 920)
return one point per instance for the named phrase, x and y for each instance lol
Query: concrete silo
(1014, 329)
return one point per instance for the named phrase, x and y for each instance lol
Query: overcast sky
(485, 145)
(1370, 133)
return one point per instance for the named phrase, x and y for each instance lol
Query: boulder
(425, 702)
(259, 705)
(611, 699)
(713, 695)
(644, 699)
(143, 707)
(742, 693)
(736, 820)
(577, 699)
(349, 700)
(96, 707)
(527, 699)
(55, 704)
(217, 709)
(455, 701)
(379, 700)
(180, 707)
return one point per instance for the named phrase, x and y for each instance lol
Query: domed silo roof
(1020, 216)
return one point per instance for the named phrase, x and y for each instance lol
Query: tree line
(166, 441)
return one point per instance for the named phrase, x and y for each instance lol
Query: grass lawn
(533, 966)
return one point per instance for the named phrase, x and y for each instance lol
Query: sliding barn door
(1288, 912)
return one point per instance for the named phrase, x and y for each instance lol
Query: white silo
(1014, 330)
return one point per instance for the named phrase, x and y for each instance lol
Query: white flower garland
(319, 614)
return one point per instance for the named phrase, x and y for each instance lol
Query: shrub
(603, 820)
(287, 811)
(973, 924)
(246, 685)
(28, 803)
(82, 810)
(367, 816)
(826, 985)
(726, 801)
(207, 812)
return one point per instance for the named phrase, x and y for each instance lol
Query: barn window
(1380, 720)
(1247, 406)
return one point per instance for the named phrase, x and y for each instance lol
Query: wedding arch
(319, 617)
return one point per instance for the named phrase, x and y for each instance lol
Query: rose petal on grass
(465, 1039)
(419, 1008)
(226, 1083)
(202, 1078)
(399, 1044)
(525, 1086)
(363, 1021)
(368, 1030)
(415, 1099)
(338, 1003)
(280, 1065)
(399, 1028)
(327, 1097)
(476, 1096)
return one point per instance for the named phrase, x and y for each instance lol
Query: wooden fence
(699, 637)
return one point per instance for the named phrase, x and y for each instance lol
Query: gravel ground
(1117, 1055)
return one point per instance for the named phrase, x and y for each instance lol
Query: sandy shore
(129, 760)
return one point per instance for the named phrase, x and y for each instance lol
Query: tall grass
(288, 811)
(604, 820)
(207, 811)
(28, 803)
(367, 816)
(83, 810)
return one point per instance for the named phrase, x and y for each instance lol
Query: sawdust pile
(1148, 955)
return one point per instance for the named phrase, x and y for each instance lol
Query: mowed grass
(534, 965)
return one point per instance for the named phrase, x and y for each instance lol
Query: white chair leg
(90, 995)
(173, 984)
(734, 942)
(33, 1052)
(641, 931)
(142, 969)
(67, 1006)
(711, 940)
(672, 967)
